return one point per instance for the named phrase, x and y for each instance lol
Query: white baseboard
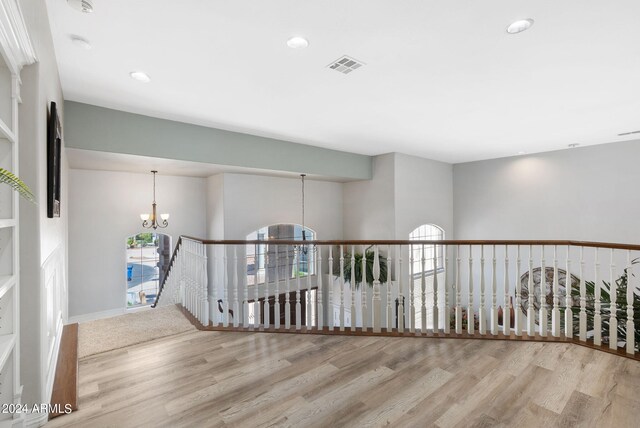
(34, 420)
(105, 314)
(96, 315)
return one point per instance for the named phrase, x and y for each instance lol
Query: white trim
(33, 420)
(53, 364)
(96, 315)
(14, 37)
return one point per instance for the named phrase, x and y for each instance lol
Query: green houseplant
(370, 255)
(605, 311)
(10, 179)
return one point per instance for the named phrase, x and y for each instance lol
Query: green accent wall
(96, 128)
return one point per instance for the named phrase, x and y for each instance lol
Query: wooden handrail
(612, 245)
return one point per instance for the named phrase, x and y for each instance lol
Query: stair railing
(586, 292)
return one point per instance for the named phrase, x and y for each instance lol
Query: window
(147, 257)
(261, 258)
(427, 232)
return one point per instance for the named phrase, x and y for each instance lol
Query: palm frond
(16, 184)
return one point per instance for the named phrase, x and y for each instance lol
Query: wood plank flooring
(203, 379)
(65, 384)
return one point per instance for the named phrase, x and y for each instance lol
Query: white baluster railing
(589, 311)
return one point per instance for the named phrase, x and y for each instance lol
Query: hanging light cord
(304, 235)
(154, 186)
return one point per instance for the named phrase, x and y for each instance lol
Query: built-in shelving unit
(15, 52)
(10, 389)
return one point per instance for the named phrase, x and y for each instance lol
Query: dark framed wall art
(54, 159)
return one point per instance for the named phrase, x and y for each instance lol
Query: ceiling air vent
(345, 64)
(629, 133)
(85, 6)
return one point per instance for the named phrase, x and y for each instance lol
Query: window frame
(416, 235)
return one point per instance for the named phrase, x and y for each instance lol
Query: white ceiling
(442, 79)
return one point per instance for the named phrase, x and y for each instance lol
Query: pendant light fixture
(150, 221)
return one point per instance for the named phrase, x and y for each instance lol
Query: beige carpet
(126, 330)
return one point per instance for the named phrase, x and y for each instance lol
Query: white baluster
(267, 320)
(568, 301)
(205, 281)
(235, 304)
(225, 304)
(423, 289)
(583, 299)
(213, 310)
(352, 283)
(482, 315)
(518, 320)
(434, 306)
(543, 314)
(506, 314)
(298, 305)
(412, 307)
(309, 297)
(276, 305)
(363, 292)
(470, 304)
(341, 288)
(531, 316)
(389, 311)
(555, 312)
(400, 311)
(287, 302)
(331, 311)
(597, 318)
(494, 291)
(630, 330)
(256, 295)
(458, 293)
(245, 287)
(318, 251)
(447, 306)
(375, 305)
(613, 309)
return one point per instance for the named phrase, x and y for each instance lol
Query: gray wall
(404, 193)
(97, 128)
(423, 194)
(104, 210)
(589, 193)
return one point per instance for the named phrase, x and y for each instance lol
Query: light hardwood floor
(200, 379)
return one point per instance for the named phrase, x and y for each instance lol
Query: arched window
(261, 258)
(427, 232)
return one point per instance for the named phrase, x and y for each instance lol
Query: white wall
(43, 241)
(369, 206)
(104, 210)
(588, 193)
(423, 194)
(252, 202)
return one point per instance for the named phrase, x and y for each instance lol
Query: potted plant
(370, 255)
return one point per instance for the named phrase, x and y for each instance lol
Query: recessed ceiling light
(84, 6)
(519, 26)
(140, 76)
(297, 42)
(81, 42)
(573, 146)
(522, 153)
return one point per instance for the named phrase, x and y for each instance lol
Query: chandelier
(150, 221)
